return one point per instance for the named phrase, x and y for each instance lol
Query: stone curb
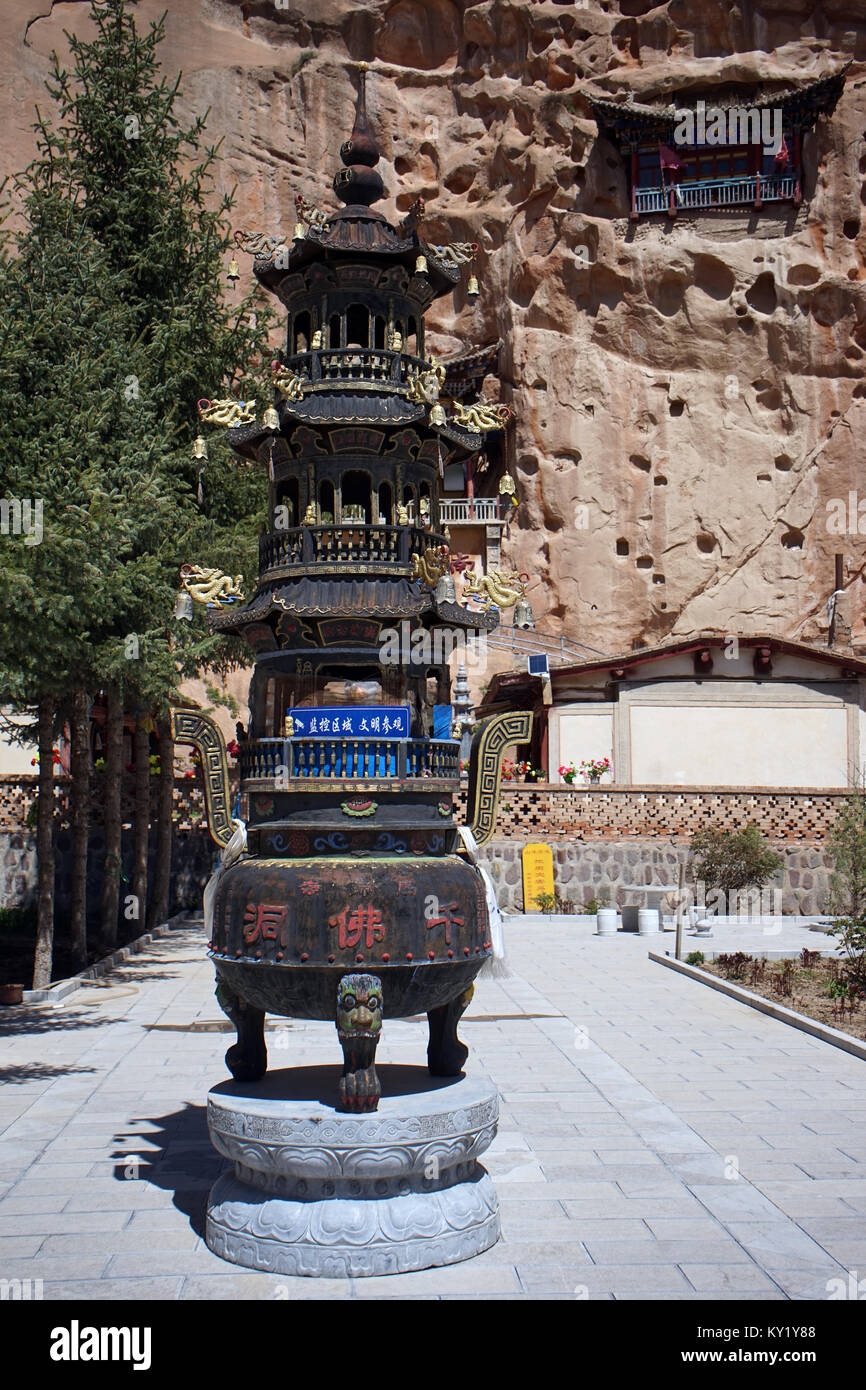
(61, 988)
(845, 1041)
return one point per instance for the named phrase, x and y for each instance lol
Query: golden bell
(300, 231)
(199, 448)
(233, 273)
(437, 415)
(270, 419)
(472, 288)
(421, 265)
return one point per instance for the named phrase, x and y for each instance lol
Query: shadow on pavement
(22, 1021)
(184, 1161)
(38, 1071)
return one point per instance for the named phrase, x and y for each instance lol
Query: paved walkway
(657, 1140)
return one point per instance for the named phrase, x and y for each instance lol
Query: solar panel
(538, 665)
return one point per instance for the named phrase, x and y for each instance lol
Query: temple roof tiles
(654, 119)
(354, 596)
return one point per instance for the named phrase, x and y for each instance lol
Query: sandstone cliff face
(689, 398)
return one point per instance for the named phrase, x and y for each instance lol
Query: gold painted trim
(198, 729)
(492, 736)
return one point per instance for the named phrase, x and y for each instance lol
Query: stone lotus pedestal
(317, 1192)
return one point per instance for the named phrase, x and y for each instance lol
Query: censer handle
(489, 741)
(192, 726)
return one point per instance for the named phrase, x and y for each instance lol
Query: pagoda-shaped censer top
(353, 860)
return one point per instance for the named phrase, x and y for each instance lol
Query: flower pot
(606, 921)
(594, 781)
(11, 994)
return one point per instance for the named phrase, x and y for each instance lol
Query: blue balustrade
(282, 759)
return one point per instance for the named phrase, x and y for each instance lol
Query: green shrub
(695, 958)
(847, 847)
(733, 860)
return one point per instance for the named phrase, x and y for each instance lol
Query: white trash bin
(606, 921)
(647, 921)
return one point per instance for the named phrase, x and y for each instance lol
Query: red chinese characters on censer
(264, 921)
(353, 923)
(446, 918)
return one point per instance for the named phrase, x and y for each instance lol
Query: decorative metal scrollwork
(492, 736)
(198, 729)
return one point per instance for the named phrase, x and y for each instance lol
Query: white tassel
(236, 847)
(495, 966)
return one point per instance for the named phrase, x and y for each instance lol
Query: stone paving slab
(657, 1140)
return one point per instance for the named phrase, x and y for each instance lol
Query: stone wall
(17, 868)
(625, 872)
(626, 812)
(193, 851)
(193, 859)
(616, 840)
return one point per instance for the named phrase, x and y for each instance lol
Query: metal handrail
(519, 640)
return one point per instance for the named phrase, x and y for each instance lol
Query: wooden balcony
(302, 548)
(700, 194)
(288, 759)
(470, 511)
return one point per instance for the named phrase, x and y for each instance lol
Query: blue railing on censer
(271, 759)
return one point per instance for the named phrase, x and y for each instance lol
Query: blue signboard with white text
(345, 721)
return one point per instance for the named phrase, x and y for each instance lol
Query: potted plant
(568, 773)
(593, 769)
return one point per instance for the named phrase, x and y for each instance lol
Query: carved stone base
(321, 1193)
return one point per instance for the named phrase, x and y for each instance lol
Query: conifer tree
(112, 325)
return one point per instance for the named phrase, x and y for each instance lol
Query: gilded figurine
(455, 254)
(227, 412)
(412, 218)
(481, 416)
(424, 387)
(211, 586)
(289, 384)
(310, 214)
(494, 588)
(430, 567)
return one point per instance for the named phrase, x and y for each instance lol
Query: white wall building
(715, 711)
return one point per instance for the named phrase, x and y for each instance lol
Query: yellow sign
(537, 875)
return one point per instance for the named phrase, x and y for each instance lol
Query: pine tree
(112, 325)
